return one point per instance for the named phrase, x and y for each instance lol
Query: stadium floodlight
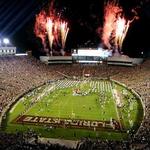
(6, 41)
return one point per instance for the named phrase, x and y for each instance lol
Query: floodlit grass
(62, 104)
(98, 104)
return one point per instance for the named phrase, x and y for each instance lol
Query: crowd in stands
(18, 141)
(21, 74)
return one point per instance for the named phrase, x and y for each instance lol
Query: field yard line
(71, 108)
(116, 107)
(117, 98)
(12, 109)
(39, 97)
(61, 107)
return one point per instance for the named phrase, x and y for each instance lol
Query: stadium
(63, 99)
(90, 99)
(25, 80)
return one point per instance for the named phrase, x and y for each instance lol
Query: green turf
(62, 104)
(98, 104)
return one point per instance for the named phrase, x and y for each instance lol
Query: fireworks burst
(122, 27)
(64, 32)
(39, 28)
(49, 28)
(110, 11)
(115, 26)
(53, 27)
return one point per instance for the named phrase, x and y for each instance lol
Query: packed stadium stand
(21, 74)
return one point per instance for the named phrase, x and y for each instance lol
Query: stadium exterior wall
(56, 59)
(121, 60)
(7, 51)
(124, 60)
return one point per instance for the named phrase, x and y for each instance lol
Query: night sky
(85, 22)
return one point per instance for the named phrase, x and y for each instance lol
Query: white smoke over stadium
(104, 53)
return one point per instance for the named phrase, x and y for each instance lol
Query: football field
(74, 109)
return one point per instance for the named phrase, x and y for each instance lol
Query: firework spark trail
(122, 27)
(115, 26)
(64, 32)
(48, 24)
(39, 28)
(56, 32)
(55, 29)
(110, 11)
(49, 28)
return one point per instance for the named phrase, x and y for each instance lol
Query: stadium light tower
(6, 41)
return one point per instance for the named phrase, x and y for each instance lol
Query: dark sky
(84, 17)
